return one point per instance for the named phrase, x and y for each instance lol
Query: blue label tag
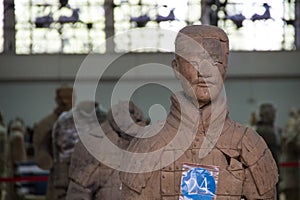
(198, 183)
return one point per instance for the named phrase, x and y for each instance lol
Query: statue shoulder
(258, 159)
(46, 123)
(253, 147)
(148, 140)
(152, 137)
(83, 165)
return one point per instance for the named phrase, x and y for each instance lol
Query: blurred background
(43, 45)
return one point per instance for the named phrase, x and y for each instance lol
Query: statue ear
(175, 68)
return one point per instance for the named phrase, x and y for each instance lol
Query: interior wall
(28, 83)
(246, 95)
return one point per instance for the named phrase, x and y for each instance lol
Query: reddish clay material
(91, 179)
(247, 168)
(42, 140)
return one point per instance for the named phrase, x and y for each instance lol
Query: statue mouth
(204, 82)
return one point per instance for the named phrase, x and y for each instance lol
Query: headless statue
(89, 178)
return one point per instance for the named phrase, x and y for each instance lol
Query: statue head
(200, 63)
(267, 113)
(64, 97)
(17, 125)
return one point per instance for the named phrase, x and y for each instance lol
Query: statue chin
(203, 95)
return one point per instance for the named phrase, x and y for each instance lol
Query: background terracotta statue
(290, 174)
(265, 127)
(246, 166)
(17, 153)
(17, 141)
(65, 136)
(3, 150)
(3, 154)
(42, 140)
(91, 179)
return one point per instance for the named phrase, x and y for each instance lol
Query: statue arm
(78, 192)
(42, 142)
(261, 174)
(130, 194)
(85, 173)
(141, 186)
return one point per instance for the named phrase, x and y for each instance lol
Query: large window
(59, 26)
(247, 23)
(161, 14)
(258, 25)
(81, 26)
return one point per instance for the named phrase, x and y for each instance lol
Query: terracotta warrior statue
(91, 179)
(246, 168)
(4, 156)
(65, 137)
(42, 133)
(42, 140)
(17, 141)
(17, 153)
(266, 128)
(290, 184)
(3, 149)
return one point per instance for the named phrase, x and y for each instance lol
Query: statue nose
(205, 69)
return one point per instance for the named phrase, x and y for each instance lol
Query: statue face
(201, 61)
(199, 73)
(64, 99)
(267, 113)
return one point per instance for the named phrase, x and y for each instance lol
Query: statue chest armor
(231, 172)
(109, 185)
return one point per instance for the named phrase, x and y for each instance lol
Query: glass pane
(163, 14)
(257, 25)
(247, 23)
(54, 27)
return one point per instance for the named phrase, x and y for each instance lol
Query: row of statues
(200, 152)
(246, 167)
